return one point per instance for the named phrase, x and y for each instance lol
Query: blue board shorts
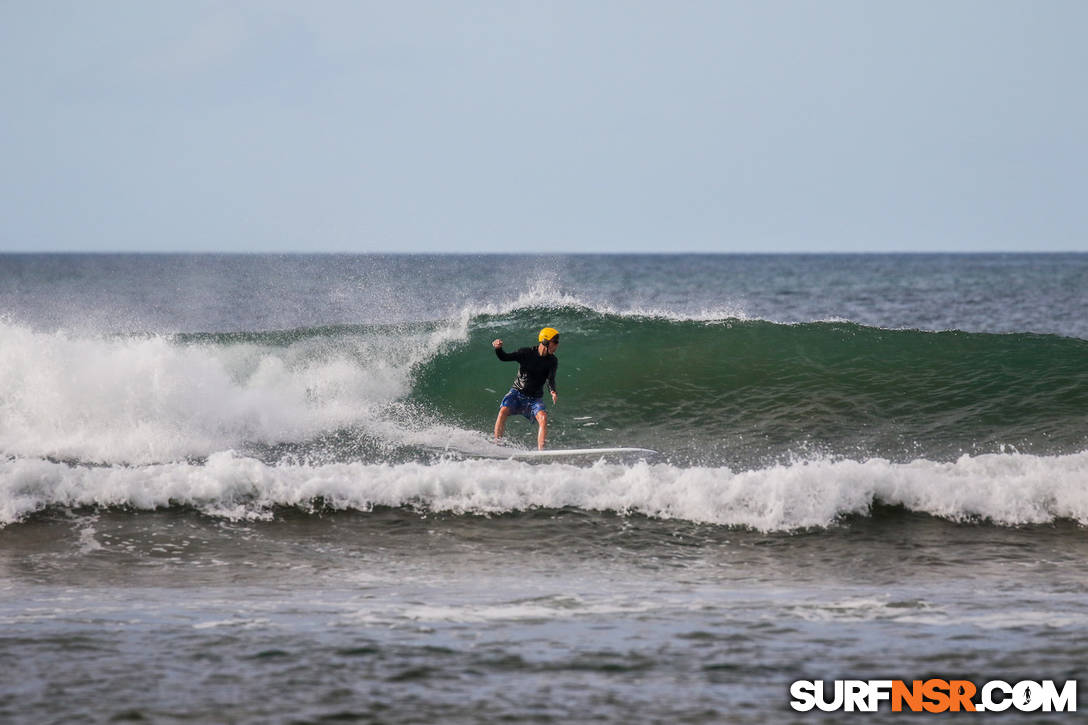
(521, 404)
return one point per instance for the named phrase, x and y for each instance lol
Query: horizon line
(692, 253)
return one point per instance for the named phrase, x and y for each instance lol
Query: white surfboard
(582, 452)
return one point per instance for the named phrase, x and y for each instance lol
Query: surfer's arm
(551, 380)
(503, 355)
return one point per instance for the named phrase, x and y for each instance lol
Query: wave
(1004, 489)
(770, 426)
(704, 389)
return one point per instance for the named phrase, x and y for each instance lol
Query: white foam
(1007, 489)
(87, 542)
(152, 399)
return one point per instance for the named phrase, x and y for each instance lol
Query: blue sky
(543, 126)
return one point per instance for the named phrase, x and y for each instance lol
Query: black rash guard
(535, 370)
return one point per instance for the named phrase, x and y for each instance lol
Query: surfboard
(522, 454)
(576, 452)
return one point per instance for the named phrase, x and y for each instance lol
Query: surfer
(538, 366)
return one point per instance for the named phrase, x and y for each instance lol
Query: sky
(543, 127)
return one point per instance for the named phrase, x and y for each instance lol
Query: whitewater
(1011, 489)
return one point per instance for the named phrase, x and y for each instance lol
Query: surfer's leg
(542, 433)
(500, 422)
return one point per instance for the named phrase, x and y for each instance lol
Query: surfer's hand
(555, 398)
(496, 344)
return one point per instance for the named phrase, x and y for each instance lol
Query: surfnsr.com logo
(933, 695)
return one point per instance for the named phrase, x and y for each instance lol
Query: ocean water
(262, 489)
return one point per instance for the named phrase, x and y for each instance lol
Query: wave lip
(545, 296)
(1004, 489)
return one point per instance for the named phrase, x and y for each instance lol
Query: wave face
(727, 391)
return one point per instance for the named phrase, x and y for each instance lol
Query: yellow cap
(547, 334)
